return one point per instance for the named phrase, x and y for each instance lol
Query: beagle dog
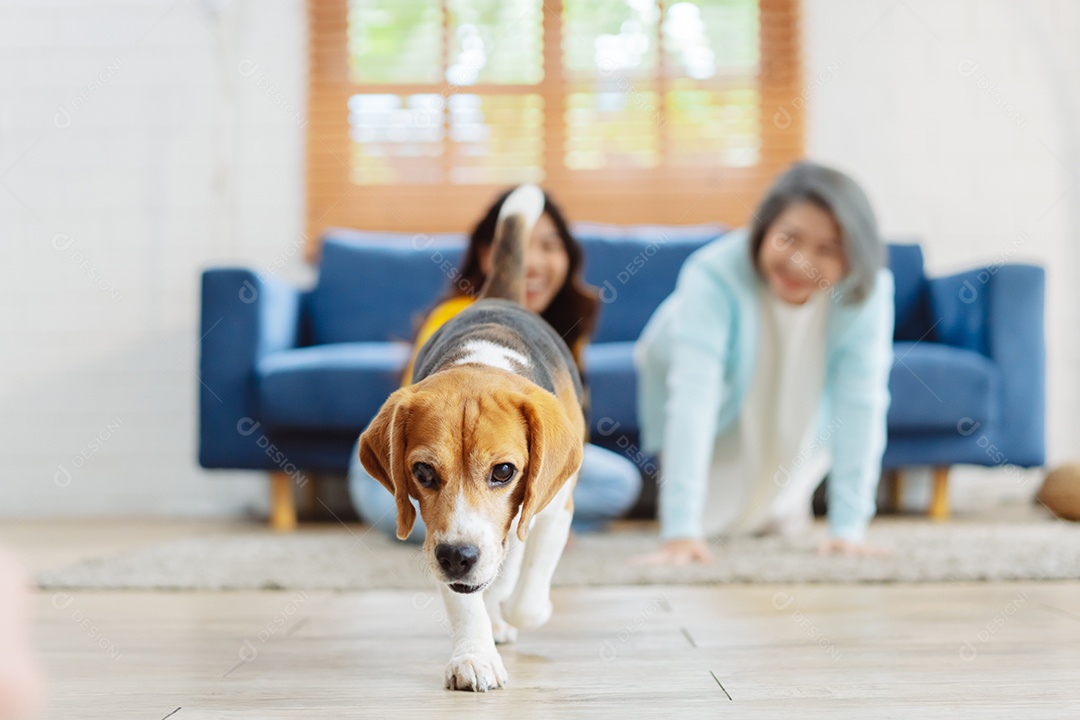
(488, 439)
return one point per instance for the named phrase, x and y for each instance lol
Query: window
(627, 110)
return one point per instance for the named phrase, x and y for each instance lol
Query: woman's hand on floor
(680, 551)
(840, 546)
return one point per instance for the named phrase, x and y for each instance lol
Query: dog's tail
(519, 213)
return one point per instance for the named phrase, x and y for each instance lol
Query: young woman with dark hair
(554, 288)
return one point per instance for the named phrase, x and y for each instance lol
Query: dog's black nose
(456, 560)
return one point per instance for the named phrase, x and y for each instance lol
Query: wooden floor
(817, 651)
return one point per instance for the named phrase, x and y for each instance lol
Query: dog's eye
(502, 473)
(425, 475)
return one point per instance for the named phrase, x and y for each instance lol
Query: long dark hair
(572, 312)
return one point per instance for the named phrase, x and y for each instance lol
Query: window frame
(663, 195)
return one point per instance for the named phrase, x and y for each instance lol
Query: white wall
(961, 118)
(135, 149)
(148, 139)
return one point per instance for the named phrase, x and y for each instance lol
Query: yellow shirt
(440, 315)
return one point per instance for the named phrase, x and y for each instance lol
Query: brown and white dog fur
(488, 440)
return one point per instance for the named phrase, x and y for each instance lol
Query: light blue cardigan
(696, 359)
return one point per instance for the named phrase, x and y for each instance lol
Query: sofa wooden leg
(310, 491)
(896, 489)
(282, 502)
(939, 500)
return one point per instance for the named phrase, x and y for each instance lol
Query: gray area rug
(345, 559)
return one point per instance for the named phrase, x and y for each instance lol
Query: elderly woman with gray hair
(767, 368)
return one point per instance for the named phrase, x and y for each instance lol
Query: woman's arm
(700, 336)
(859, 393)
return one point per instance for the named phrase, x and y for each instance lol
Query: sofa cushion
(934, 387)
(612, 389)
(377, 286)
(329, 387)
(912, 293)
(635, 268)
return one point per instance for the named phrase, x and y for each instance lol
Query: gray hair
(841, 197)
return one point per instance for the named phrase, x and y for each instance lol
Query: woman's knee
(608, 483)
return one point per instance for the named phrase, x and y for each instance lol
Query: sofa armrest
(244, 317)
(998, 311)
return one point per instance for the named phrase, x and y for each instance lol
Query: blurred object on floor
(22, 692)
(1060, 492)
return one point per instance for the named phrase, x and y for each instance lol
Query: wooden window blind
(628, 111)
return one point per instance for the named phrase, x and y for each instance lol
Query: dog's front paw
(478, 672)
(503, 632)
(527, 612)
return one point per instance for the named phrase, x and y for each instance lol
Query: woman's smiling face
(801, 253)
(546, 264)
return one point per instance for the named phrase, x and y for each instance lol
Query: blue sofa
(290, 377)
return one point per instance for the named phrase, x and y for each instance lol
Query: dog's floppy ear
(555, 451)
(382, 453)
